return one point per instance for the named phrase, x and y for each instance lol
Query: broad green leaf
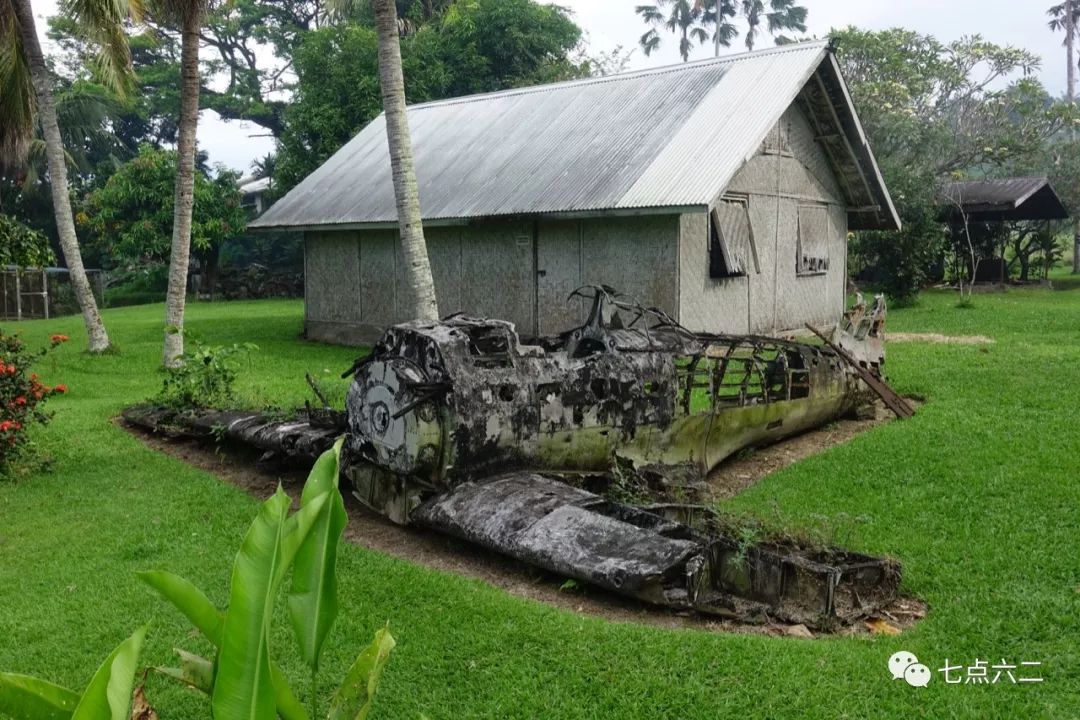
(297, 529)
(288, 706)
(194, 671)
(27, 698)
(243, 689)
(353, 699)
(189, 600)
(108, 696)
(313, 602)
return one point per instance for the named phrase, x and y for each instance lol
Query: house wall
(788, 170)
(520, 270)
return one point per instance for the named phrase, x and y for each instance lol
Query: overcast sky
(610, 23)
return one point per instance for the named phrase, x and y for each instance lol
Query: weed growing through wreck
(206, 375)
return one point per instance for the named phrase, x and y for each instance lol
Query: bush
(23, 246)
(206, 377)
(22, 395)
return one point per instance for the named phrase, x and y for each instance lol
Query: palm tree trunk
(414, 249)
(1070, 95)
(176, 296)
(97, 338)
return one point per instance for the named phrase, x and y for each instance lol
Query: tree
(932, 110)
(188, 15)
(23, 246)
(690, 19)
(781, 15)
(1064, 17)
(417, 265)
(479, 46)
(131, 215)
(22, 67)
(683, 17)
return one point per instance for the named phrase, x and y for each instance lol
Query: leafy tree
(131, 216)
(934, 110)
(23, 246)
(27, 99)
(478, 46)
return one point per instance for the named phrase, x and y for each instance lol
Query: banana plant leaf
(353, 699)
(27, 698)
(108, 696)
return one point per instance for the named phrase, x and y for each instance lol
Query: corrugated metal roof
(669, 137)
(1006, 192)
(1015, 198)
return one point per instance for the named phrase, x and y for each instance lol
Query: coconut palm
(683, 17)
(1060, 20)
(188, 17)
(391, 80)
(26, 99)
(780, 15)
(406, 194)
(1065, 17)
(690, 19)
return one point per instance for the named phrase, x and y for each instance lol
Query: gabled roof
(1017, 198)
(670, 137)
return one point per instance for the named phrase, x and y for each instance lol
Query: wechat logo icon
(905, 666)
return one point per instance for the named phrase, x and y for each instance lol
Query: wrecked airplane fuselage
(465, 427)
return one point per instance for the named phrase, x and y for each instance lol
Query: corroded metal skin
(467, 428)
(467, 398)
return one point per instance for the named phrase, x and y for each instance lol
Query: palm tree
(690, 18)
(1064, 17)
(27, 98)
(781, 15)
(1062, 20)
(682, 16)
(406, 194)
(188, 16)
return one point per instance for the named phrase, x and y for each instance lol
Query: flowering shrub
(22, 394)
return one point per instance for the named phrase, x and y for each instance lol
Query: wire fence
(33, 293)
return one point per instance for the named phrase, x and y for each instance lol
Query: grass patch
(977, 496)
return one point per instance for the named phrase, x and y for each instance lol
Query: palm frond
(17, 101)
(102, 22)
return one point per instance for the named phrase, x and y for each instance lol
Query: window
(812, 253)
(731, 243)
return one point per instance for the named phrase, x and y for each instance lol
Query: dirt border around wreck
(430, 549)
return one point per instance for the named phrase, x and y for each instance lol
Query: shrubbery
(22, 395)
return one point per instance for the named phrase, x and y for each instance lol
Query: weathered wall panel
(332, 267)
(637, 256)
(498, 277)
(707, 304)
(378, 275)
(558, 267)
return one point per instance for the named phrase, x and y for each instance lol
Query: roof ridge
(620, 77)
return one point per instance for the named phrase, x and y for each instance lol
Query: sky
(611, 23)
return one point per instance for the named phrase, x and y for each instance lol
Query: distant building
(721, 191)
(252, 192)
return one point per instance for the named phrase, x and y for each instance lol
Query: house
(252, 194)
(720, 191)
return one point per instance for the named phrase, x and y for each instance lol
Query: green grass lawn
(978, 495)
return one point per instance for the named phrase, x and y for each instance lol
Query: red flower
(20, 400)
(5, 426)
(11, 369)
(61, 388)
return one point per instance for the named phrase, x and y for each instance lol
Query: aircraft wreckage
(517, 445)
